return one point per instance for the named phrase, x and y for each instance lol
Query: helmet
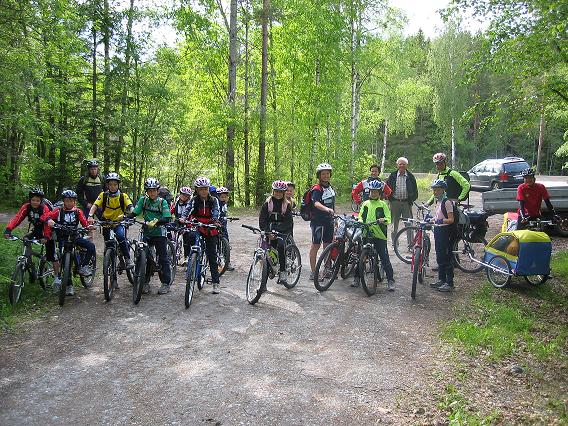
(202, 182)
(439, 157)
(439, 183)
(222, 190)
(376, 184)
(92, 163)
(292, 184)
(323, 166)
(151, 183)
(527, 173)
(36, 192)
(113, 176)
(185, 190)
(69, 193)
(279, 185)
(212, 189)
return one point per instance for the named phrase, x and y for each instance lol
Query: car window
(516, 167)
(477, 168)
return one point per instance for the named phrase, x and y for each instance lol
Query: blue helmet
(439, 183)
(213, 189)
(376, 184)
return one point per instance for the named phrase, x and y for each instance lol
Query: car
(497, 173)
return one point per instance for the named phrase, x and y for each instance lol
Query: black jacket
(275, 220)
(411, 187)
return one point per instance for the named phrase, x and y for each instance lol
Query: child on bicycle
(444, 236)
(156, 213)
(177, 210)
(372, 210)
(33, 210)
(276, 215)
(223, 195)
(204, 208)
(112, 205)
(70, 215)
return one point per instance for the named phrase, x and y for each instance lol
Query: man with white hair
(404, 193)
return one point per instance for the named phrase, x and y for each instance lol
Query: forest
(257, 90)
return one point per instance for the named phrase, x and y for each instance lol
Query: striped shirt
(400, 192)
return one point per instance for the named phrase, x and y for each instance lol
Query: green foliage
(458, 411)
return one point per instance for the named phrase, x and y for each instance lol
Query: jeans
(120, 234)
(211, 253)
(163, 260)
(84, 243)
(444, 239)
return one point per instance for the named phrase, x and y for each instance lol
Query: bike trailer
(528, 252)
(509, 221)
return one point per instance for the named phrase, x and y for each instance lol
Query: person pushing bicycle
(530, 196)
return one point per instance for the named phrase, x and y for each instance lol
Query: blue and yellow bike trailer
(518, 253)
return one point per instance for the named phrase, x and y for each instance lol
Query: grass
(459, 412)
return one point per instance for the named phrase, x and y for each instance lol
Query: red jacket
(54, 215)
(24, 213)
(356, 192)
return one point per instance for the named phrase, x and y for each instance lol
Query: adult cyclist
(457, 186)
(530, 196)
(361, 191)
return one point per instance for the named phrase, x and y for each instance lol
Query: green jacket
(151, 210)
(456, 176)
(370, 211)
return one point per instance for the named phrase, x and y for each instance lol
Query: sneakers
(216, 288)
(129, 264)
(69, 291)
(445, 288)
(184, 261)
(230, 267)
(312, 276)
(164, 289)
(283, 277)
(356, 282)
(85, 270)
(146, 288)
(390, 285)
(56, 285)
(437, 284)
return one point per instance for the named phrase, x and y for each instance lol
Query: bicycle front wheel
(17, 284)
(130, 272)
(462, 252)
(109, 273)
(416, 269)
(87, 281)
(368, 271)
(256, 280)
(190, 278)
(171, 251)
(46, 273)
(293, 265)
(139, 275)
(350, 260)
(327, 267)
(223, 254)
(66, 278)
(404, 243)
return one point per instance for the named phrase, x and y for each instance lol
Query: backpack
(284, 206)
(105, 200)
(48, 203)
(306, 207)
(454, 188)
(460, 218)
(160, 201)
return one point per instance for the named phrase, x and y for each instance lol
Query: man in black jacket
(90, 186)
(404, 193)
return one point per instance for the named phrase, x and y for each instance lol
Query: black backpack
(454, 188)
(105, 201)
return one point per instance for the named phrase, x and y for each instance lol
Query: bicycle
(224, 249)
(44, 273)
(371, 269)
(265, 264)
(114, 263)
(404, 249)
(466, 246)
(334, 258)
(72, 259)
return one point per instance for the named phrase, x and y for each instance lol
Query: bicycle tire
(46, 273)
(502, 278)
(202, 271)
(17, 284)
(404, 251)
(179, 249)
(87, 281)
(350, 260)
(66, 278)
(368, 271)
(190, 278)
(139, 275)
(171, 252)
(461, 258)
(416, 267)
(293, 266)
(380, 271)
(536, 279)
(130, 272)
(330, 269)
(223, 254)
(109, 273)
(256, 279)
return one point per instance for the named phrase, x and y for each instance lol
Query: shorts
(322, 233)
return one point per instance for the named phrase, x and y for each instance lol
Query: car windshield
(516, 167)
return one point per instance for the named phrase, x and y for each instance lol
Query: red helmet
(439, 157)
(279, 185)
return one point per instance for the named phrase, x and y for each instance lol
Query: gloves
(120, 218)
(152, 223)
(439, 221)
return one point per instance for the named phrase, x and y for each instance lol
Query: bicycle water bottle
(272, 257)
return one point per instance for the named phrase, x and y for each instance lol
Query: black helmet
(69, 193)
(92, 163)
(113, 176)
(151, 183)
(36, 192)
(527, 173)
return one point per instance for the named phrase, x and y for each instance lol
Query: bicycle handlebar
(71, 229)
(261, 232)
(25, 240)
(112, 224)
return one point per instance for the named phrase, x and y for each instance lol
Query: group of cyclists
(381, 203)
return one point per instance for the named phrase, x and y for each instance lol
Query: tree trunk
(246, 113)
(354, 88)
(453, 143)
(107, 105)
(94, 86)
(260, 173)
(384, 156)
(540, 141)
(231, 94)
(277, 159)
(136, 188)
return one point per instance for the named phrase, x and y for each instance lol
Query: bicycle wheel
(327, 267)
(46, 273)
(256, 280)
(380, 271)
(293, 265)
(350, 260)
(139, 275)
(499, 272)
(109, 273)
(203, 265)
(354, 206)
(402, 248)
(66, 278)
(190, 278)
(223, 254)
(130, 272)
(536, 279)
(87, 281)
(416, 268)
(368, 271)
(171, 251)
(462, 250)
(179, 249)
(17, 284)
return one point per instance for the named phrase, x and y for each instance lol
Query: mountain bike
(265, 264)
(72, 258)
(371, 269)
(114, 263)
(403, 242)
(25, 263)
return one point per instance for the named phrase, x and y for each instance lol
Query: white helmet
(279, 185)
(202, 182)
(323, 166)
(222, 190)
